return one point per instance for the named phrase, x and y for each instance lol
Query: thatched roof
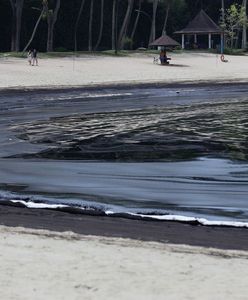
(201, 24)
(165, 41)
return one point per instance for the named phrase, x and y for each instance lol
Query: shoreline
(167, 232)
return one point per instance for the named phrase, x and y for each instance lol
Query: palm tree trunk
(34, 30)
(13, 31)
(125, 23)
(136, 20)
(153, 26)
(51, 20)
(166, 19)
(77, 23)
(114, 24)
(101, 26)
(223, 22)
(244, 33)
(49, 34)
(17, 8)
(90, 25)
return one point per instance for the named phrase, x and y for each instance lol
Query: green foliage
(231, 51)
(234, 19)
(60, 49)
(127, 43)
(180, 13)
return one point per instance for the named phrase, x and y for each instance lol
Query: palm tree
(125, 23)
(52, 16)
(168, 4)
(114, 23)
(36, 25)
(153, 25)
(17, 8)
(101, 26)
(137, 19)
(90, 25)
(77, 23)
(244, 33)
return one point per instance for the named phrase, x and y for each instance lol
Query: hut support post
(222, 43)
(195, 38)
(209, 41)
(183, 45)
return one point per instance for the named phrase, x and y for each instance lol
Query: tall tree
(101, 26)
(137, 19)
(52, 16)
(114, 24)
(153, 25)
(90, 25)
(77, 23)
(168, 4)
(244, 32)
(125, 23)
(17, 8)
(42, 11)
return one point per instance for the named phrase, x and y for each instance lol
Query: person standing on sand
(30, 57)
(35, 58)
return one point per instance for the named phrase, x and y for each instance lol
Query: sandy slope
(88, 70)
(68, 266)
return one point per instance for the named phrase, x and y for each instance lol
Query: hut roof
(202, 23)
(165, 41)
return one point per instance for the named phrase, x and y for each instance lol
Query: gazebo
(202, 24)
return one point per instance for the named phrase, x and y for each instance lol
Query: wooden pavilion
(201, 25)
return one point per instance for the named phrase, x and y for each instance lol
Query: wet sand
(155, 231)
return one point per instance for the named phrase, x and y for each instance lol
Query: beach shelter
(164, 41)
(202, 24)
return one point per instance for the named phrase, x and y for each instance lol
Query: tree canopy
(95, 24)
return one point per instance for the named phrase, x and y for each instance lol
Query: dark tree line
(96, 24)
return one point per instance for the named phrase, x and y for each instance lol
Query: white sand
(88, 70)
(68, 266)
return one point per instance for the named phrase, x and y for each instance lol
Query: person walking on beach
(30, 57)
(35, 57)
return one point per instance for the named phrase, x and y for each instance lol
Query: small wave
(86, 95)
(129, 215)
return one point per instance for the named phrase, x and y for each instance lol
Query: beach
(70, 255)
(67, 265)
(90, 70)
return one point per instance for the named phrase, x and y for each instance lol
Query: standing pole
(183, 45)
(209, 41)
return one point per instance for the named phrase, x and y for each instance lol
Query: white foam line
(179, 218)
(85, 96)
(31, 204)
(185, 219)
(108, 95)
